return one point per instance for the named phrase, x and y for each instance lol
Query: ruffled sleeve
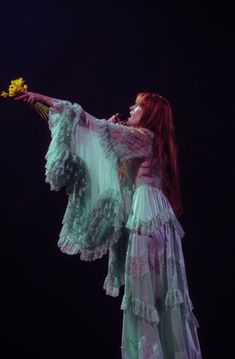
(61, 166)
(125, 141)
(76, 159)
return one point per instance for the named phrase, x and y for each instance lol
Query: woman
(124, 196)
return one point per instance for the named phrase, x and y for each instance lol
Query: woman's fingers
(21, 97)
(26, 97)
(31, 100)
(113, 119)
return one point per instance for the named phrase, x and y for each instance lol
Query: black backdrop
(101, 55)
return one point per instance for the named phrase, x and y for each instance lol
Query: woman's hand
(116, 119)
(32, 97)
(29, 97)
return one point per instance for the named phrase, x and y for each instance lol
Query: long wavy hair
(157, 116)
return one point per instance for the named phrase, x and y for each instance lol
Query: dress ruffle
(153, 213)
(141, 309)
(174, 298)
(111, 287)
(149, 312)
(62, 166)
(99, 229)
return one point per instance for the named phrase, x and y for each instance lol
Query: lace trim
(141, 309)
(174, 298)
(99, 252)
(91, 235)
(124, 141)
(148, 227)
(112, 285)
(60, 165)
(104, 138)
(116, 265)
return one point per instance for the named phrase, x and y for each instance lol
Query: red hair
(157, 116)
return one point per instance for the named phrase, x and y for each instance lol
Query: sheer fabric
(76, 160)
(158, 319)
(132, 220)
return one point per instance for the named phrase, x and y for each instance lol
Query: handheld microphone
(121, 118)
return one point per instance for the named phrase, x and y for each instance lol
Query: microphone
(121, 118)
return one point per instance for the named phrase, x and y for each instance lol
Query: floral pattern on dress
(146, 349)
(149, 262)
(138, 266)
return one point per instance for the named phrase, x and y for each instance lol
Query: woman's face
(136, 112)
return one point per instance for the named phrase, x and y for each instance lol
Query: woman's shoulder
(146, 130)
(141, 130)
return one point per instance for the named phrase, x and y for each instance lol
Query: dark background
(100, 55)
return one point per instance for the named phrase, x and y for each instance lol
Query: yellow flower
(4, 94)
(15, 88)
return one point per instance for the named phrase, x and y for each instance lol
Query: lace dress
(132, 220)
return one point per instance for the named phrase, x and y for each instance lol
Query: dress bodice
(140, 171)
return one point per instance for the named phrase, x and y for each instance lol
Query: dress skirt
(158, 322)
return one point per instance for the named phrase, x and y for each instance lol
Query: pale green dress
(132, 220)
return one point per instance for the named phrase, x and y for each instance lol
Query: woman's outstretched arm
(32, 97)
